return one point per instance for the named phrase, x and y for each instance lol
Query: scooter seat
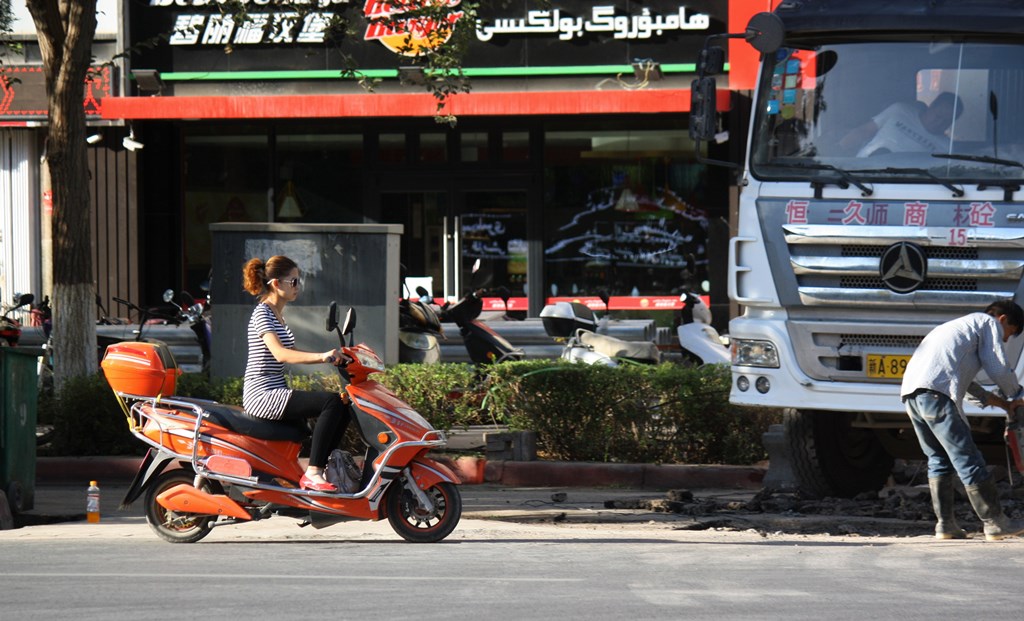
(236, 419)
(641, 351)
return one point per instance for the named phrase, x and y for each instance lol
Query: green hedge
(633, 413)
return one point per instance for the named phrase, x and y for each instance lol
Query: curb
(637, 476)
(472, 470)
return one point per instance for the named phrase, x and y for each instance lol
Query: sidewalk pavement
(537, 491)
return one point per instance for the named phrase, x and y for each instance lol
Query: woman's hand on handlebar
(336, 357)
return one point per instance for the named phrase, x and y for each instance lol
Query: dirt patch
(894, 512)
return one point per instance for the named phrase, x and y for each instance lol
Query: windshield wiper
(984, 159)
(957, 191)
(843, 174)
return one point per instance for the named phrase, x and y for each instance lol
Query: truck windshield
(946, 112)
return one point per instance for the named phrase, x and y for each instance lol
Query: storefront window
(391, 149)
(433, 148)
(319, 178)
(515, 146)
(225, 181)
(474, 147)
(624, 211)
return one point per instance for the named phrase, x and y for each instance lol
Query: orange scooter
(236, 468)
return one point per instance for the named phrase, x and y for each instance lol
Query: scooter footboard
(428, 473)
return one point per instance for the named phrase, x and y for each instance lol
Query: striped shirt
(265, 391)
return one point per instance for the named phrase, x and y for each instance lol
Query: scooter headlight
(416, 340)
(754, 353)
(369, 361)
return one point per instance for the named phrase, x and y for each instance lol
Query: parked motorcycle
(699, 341)
(576, 325)
(188, 310)
(10, 328)
(418, 329)
(485, 346)
(237, 468)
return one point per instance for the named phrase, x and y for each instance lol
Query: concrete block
(511, 446)
(6, 519)
(780, 475)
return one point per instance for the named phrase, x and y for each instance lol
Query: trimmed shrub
(447, 395)
(87, 420)
(633, 413)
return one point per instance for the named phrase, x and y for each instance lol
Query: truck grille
(838, 266)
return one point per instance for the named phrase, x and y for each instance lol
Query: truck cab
(881, 194)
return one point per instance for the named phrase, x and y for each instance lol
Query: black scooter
(198, 320)
(485, 346)
(418, 330)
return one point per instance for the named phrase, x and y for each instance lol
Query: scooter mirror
(25, 298)
(424, 295)
(168, 295)
(476, 266)
(350, 322)
(332, 317)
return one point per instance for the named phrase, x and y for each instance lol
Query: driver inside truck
(905, 127)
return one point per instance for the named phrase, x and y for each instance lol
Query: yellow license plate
(886, 366)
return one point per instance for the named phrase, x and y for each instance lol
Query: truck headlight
(753, 353)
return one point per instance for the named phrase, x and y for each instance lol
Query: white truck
(880, 195)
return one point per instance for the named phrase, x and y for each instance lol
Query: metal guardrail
(528, 334)
(179, 339)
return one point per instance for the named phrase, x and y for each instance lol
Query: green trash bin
(18, 426)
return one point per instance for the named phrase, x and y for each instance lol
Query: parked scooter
(418, 330)
(238, 468)
(699, 341)
(576, 325)
(195, 314)
(10, 328)
(485, 346)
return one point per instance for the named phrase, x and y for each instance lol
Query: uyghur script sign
(602, 19)
(416, 35)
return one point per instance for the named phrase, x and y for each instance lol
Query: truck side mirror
(703, 109)
(765, 32)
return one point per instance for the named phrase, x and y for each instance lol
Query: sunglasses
(294, 282)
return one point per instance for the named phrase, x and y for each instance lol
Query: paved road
(503, 571)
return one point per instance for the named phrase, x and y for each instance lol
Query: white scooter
(700, 342)
(576, 325)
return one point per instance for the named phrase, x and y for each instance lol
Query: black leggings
(333, 417)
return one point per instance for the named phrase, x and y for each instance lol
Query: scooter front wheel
(420, 524)
(170, 525)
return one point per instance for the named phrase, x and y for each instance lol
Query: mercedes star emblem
(903, 267)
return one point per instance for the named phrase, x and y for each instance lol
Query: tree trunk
(66, 30)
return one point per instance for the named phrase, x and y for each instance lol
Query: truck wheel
(832, 458)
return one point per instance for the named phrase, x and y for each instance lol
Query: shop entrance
(448, 229)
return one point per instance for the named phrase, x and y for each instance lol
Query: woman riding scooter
(265, 394)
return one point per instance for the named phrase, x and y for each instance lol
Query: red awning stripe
(403, 105)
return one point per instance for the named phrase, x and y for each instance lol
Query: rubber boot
(943, 503)
(984, 498)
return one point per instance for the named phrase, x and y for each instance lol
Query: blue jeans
(945, 437)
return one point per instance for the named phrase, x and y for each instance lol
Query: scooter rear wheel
(413, 522)
(170, 525)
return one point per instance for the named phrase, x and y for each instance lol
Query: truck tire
(832, 458)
